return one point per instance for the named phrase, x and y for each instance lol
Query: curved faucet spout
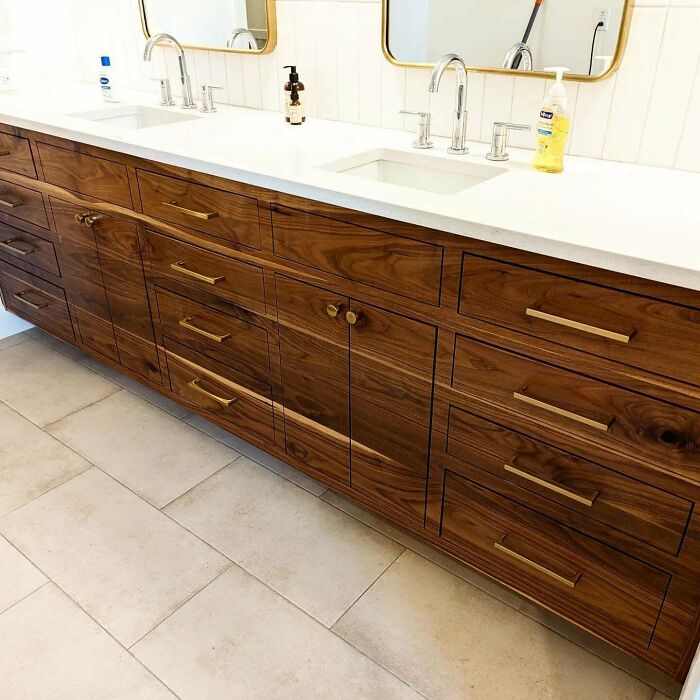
(512, 62)
(459, 132)
(187, 101)
(252, 42)
(159, 38)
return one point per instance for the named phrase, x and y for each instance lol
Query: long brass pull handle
(195, 384)
(9, 204)
(180, 267)
(571, 583)
(187, 323)
(21, 297)
(14, 249)
(598, 425)
(585, 327)
(552, 487)
(205, 215)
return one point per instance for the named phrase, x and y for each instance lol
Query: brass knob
(334, 309)
(80, 218)
(352, 317)
(92, 220)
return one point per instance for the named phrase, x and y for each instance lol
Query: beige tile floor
(145, 553)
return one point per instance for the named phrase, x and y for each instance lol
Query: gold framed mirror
(587, 36)
(237, 26)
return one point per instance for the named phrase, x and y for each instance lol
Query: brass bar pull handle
(187, 323)
(585, 327)
(598, 425)
(570, 582)
(9, 203)
(205, 215)
(180, 267)
(14, 249)
(21, 296)
(195, 384)
(552, 487)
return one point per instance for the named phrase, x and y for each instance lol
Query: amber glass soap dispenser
(293, 107)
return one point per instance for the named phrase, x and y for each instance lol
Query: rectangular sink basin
(134, 116)
(416, 171)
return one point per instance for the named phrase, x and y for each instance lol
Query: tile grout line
(80, 607)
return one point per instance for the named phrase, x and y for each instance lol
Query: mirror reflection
(234, 24)
(513, 34)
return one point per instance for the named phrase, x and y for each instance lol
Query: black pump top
(293, 75)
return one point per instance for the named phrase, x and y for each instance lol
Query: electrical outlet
(604, 17)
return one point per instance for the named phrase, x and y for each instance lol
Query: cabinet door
(314, 347)
(106, 285)
(85, 286)
(391, 375)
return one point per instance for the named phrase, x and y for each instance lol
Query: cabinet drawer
(395, 264)
(29, 248)
(239, 281)
(635, 330)
(36, 300)
(613, 499)
(235, 398)
(217, 212)
(591, 584)
(234, 341)
(23, 203)
(638, 425)
(16, 155)
(96, 177)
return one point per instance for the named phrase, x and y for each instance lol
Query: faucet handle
(166, 95)
(208, 98)
(499, 139)
(422, 130)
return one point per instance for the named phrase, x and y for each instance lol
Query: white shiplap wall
(648, 112)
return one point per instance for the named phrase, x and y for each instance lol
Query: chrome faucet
(459, 128)
(187, 101)
(241, 31)
(518, 57)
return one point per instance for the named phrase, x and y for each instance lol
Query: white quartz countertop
(632, 219)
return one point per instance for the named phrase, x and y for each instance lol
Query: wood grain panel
(600, 588)
(23, 204)
(630, 422)
(29, 248)
(236, 280)
(200, 382)
(604, 495)
(242, 343)
(219, 213)
(16, 155)
(97, 177)
(36, 300)
(633, 329)
(403, 266)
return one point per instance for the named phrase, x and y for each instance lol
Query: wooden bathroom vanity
(535, 418)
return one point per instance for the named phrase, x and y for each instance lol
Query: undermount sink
(419, 172)
(134, 116)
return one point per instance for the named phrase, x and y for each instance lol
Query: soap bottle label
(294, 112)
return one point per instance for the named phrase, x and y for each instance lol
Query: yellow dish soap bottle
(553, 127)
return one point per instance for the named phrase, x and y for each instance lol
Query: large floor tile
(18, 576)
(257, 455)
(317, 557)
(120, 559)
(31, 462)
(135, 387)
(451, 640)
(56, 344)
(153, 453)
(51, 650)
(239, 639)
(13, 340)
(421, 547)
(44, 385)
